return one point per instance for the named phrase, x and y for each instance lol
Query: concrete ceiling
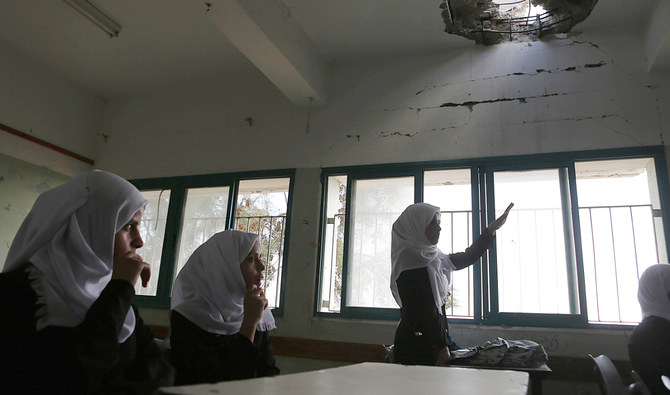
(173, 46)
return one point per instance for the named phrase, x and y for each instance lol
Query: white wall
(45, 106)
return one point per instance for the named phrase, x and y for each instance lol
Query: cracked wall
(576, 93)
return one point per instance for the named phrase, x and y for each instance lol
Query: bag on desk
(524, 354)
(487, 354)
(502, 353)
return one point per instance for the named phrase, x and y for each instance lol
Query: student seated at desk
(66, 292)
(649, 344)
(220, 321)
(420, 278)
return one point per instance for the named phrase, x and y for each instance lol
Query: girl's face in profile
(128, 239)
(252, 267)
(433, 230)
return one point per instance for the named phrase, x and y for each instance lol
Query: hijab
(210, 289)
(66, 244)
(653, 291)
(410, 249)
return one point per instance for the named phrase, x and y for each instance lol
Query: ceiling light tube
(93, 14)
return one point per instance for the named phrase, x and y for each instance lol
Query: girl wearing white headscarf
(68, 324)
(649, 344)
(220, 321)
(420, 279)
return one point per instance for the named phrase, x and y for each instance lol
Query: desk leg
(535, 385)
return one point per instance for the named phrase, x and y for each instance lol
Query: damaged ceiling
(189, 46)
(491, 22)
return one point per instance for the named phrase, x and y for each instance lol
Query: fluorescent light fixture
(93, 14)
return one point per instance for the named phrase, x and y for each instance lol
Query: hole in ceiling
(491, 22)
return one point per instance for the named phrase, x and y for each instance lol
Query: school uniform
(207, 314)
(420, 280)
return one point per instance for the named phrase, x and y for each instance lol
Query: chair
(638, 387)
(607, 376)
(390, 357)
(666, 381)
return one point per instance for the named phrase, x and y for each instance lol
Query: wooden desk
(536, 375)
(373, 378)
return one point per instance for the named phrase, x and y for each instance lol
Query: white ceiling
(178, 46)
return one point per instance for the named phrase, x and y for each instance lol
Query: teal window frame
(178, 187)
(483, 212)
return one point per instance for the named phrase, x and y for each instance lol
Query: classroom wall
(576, 93)
(20, 184)
(581, 92)
(43, 105)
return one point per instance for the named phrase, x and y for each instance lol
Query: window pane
(376, 205)
(204, 215)
(152, 231)
(536, 271)
(333, 245)
(452, 192)
(619, 229)
(261, 209)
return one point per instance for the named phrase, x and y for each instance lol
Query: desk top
(373, 378)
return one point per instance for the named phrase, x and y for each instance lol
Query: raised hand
(495, 225)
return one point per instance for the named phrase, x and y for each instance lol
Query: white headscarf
(210, 288)
(67, 245)
(410, 249)
(653, 291)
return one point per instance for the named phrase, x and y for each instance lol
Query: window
(152, 230)
(261, 209)
(622, 233)
(584, 227)
(451, 191)
(184, 212)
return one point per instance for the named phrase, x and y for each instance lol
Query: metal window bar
(452, 214)
(336, 240)
(520, 25)
(586, 213)
(333, 276)
(245, 224)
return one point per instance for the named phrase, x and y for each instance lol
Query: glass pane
(451, 191)
(333, 245)
(376, 205)
(620, 230)
(204, 215)
(152, 231)
(261, 209)
(536, 272)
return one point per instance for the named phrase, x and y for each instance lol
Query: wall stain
(520, 74)
(8, 207)
(388, 134)
(538, 71)
(412, 134)
(550, 343)
(653, 88)
(592, 65)
(358, 136)
(523, 100)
